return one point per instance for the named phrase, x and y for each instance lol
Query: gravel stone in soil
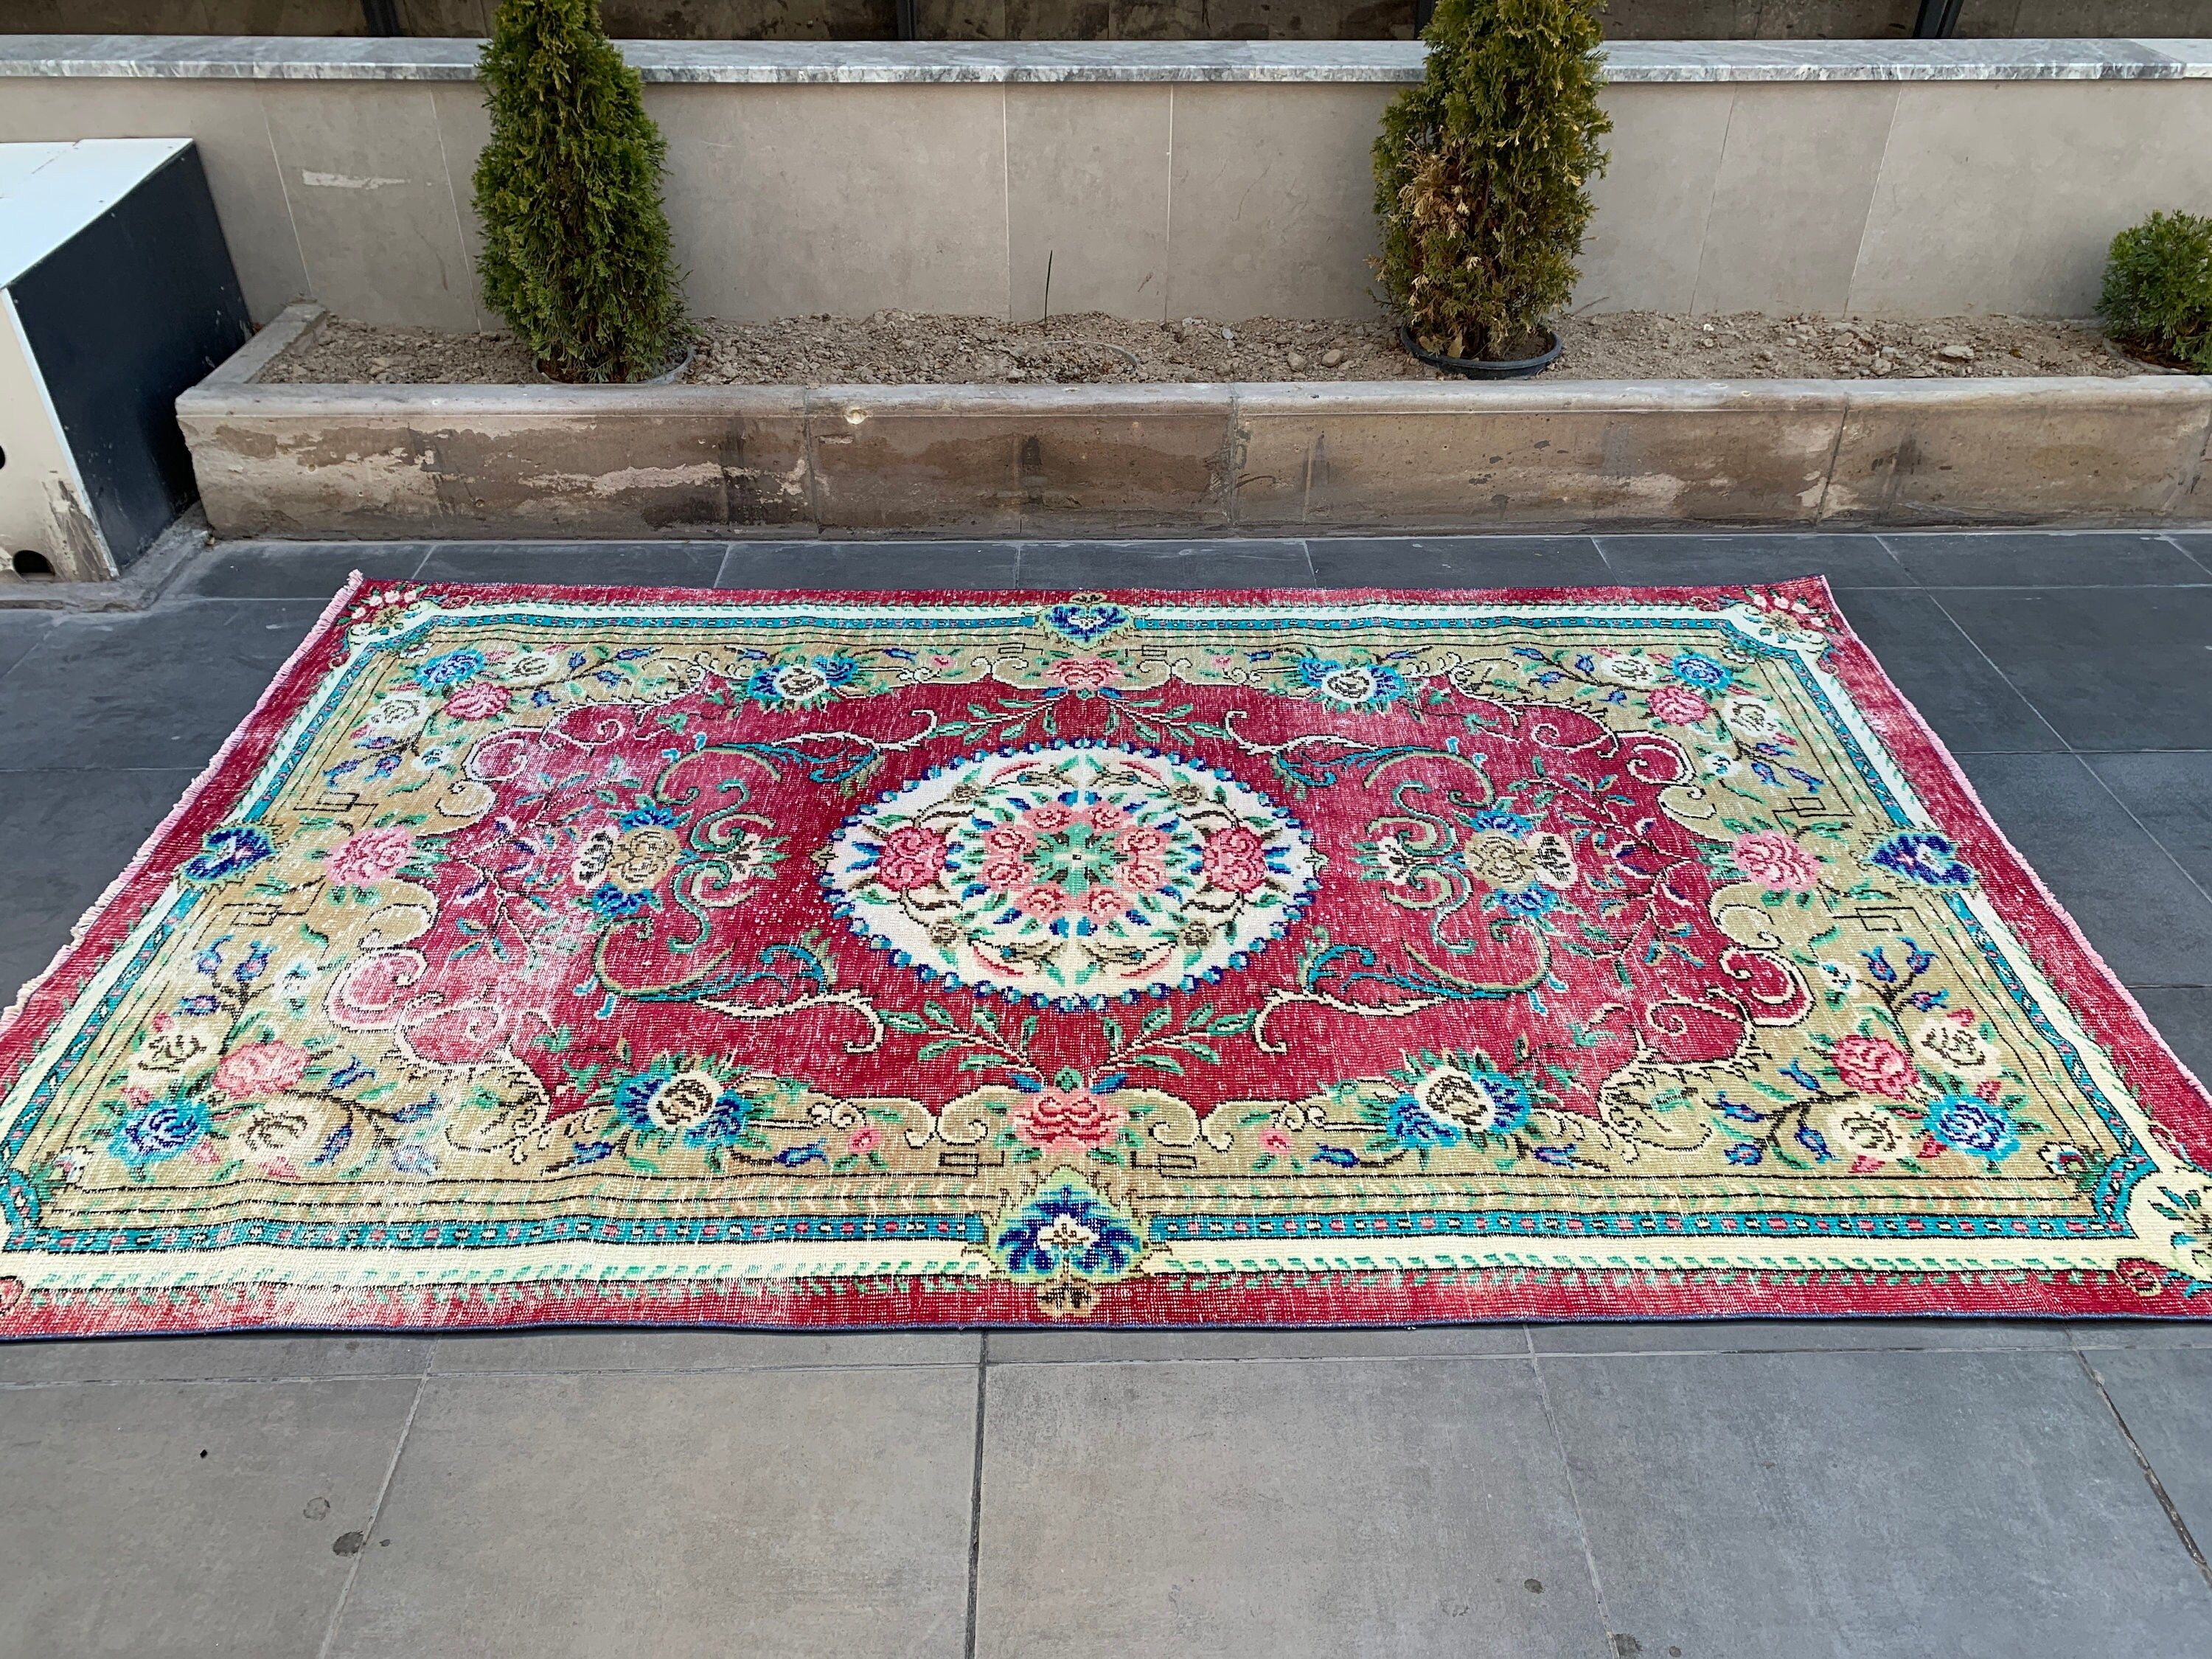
(898, 348)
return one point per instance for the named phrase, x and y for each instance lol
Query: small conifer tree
(575, 240)
(2158, 290)
(1482, 174)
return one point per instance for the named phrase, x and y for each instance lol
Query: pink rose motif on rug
(536, 955)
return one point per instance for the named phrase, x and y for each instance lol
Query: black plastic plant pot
(667, 376)
(1478, 369)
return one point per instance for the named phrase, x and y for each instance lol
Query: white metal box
(116, 294)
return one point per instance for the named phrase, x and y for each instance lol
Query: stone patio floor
(1861, 1488)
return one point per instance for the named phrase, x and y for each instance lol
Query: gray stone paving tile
(2139, 908)
(623, 1349)
(188, 1520)
(1847, 561)
(875, 566)
(63, 836)
(1196, 564)
(2113, 668)
(1408, 1506)
(2170, 792)
(246, 1357)
(2165, 1397)
(1458, 561)
(2182, 1016)
(20, 631)
(2045, 558)
(792, 1513)
(1865, 1505)
(1795, 1336)
(1943, 673)
(1039, 1345)
(577, 564)
(160, 688)
(294, 570)
(2197, 544)
(2091, 1334)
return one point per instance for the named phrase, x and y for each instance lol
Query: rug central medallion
(1071, 874)
(822, 959)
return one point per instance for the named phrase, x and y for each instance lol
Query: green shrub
(2158, 290)
(1482, 173)
(575, 241)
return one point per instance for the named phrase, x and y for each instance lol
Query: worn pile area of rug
(541, 955)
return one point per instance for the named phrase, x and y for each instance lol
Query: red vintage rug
(546, 955)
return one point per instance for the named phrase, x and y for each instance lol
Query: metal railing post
(1938, 20)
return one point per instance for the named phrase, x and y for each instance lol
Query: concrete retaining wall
(1053, 461)
(1161, 180)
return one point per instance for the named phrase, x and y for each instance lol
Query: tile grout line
(279, 1381)
(376, 1510)
(1898, 559)
(975, 1495)
(2150, 1475)
(2174, 542)
(45, 633)
(2066, 745)
(2187, 875)
(1574, 1500)
(1936, 598)
(2189, 558)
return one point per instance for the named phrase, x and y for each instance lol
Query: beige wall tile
(2004, 196)
(1789, 204)
(788, 200)
(1988, 197)
(366, 178)
(1272, 210)
(225, 117)
(1087, 187)
(464, 129)
(1643, 249)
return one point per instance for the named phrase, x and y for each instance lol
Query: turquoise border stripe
(509, 1235)
(1650, 1224)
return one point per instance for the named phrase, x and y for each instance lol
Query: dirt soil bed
(897, 346)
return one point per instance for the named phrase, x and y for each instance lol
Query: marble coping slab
(740, 63)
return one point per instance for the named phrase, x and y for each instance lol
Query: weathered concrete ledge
(1068, 461)
(791, 63)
